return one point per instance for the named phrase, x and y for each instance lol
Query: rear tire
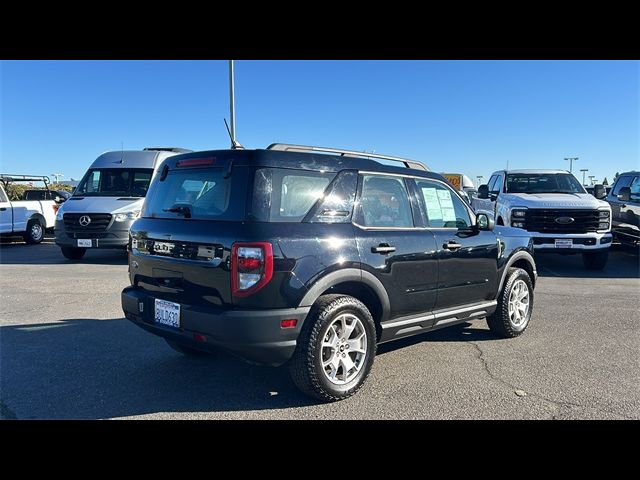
(34, 233)
(73, 253)
(595, 260)
(515, 304)
(336, 349)
(191, 352)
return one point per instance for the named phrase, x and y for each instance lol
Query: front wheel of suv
(336, 348)
(595, 260)
(515, 303)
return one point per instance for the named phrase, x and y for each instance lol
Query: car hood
(102, 204)
(553, 200)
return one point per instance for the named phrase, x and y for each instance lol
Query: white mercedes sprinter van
(107, 200)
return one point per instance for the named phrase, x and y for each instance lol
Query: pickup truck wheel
(515, 304)
(192, 352)
(73, 253)
(34, 233)
(595, 260)
(335, 350)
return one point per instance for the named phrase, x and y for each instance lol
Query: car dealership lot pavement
(67, 352)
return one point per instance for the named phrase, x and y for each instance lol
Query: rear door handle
(383, 248)
(451, 245)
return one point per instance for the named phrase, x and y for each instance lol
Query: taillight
(55, 207)
(251, 267)
(196, 162)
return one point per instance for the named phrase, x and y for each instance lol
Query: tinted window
(543, 183)
(287, 195)
(622, 182)
(497, 186)
(384, 202)
(635, 190)
(115, 182)
(195, 193)
(492, 182)
(443, 207)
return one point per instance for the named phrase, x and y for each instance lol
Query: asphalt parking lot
(67, 352)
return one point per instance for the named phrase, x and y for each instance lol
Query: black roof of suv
(313, 256)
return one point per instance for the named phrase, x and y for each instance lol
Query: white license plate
(167, 313)
(564, 243)
(84, 242)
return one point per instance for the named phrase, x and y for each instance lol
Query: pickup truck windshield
(542, 183)
(115, 182)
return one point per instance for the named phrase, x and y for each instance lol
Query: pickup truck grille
(98, 222)
(543, 220)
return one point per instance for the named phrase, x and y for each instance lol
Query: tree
(605, 182)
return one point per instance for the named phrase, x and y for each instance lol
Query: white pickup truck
(28, 218)
(552, 205)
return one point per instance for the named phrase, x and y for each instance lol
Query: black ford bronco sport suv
(313, 256)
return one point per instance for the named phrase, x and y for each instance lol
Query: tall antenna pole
(571, 159)
(232, 103)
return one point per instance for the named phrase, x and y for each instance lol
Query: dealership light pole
(571, 160)
(591, 179)
(583, 170)
(480, 178)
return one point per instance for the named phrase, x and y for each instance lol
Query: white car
(551, 204)
(29, 218)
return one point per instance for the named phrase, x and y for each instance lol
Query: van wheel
(595, 260)
(192, 352)
(336, 348)
(515, 304)
(73, 253)
(34, 233)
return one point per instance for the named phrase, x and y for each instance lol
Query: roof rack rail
(286, 147)
(167, 149)
(11, 177)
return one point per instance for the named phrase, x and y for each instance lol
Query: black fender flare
(348, 275)
(519, 255)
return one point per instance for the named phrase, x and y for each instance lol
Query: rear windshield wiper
(181, 210)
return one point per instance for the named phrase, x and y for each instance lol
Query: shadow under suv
(312, 256)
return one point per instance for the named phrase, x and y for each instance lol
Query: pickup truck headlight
(603, 214)
(121, 217)
(603, 219)
(517, 217)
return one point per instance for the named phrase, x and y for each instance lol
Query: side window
(622, 182)
(497, 186)
(492, 182)
(443, 207)
(299, 193)
(141, 182)
(635, 190)
(3, 197)
(384, 202)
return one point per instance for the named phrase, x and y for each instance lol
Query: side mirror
(483, 222)
(483, 191)
(624, 194)
(599, 191)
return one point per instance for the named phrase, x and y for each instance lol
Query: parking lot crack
(557, 403)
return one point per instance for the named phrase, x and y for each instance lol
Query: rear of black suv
(314, 259)
(212, 256)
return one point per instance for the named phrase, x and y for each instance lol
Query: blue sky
(465, 116)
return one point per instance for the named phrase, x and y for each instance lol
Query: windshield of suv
(115, 182)
(542, 183)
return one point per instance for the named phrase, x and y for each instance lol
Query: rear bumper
(254, 335)
(117, 236)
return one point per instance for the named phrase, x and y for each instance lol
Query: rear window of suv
(196, 193)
